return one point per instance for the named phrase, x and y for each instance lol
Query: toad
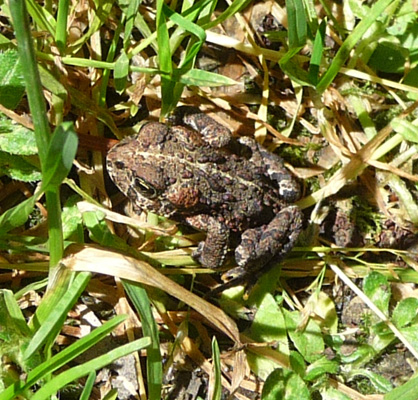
(195, 172)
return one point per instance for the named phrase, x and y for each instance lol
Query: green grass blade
(102, 10)
(191, 14)
(31, 75)
(174, 89)
(407, 391)
(57, 164)
(185, 23)
(15, 312)
(57, 315)
(317, 50)
(34, 286)
(41, 17)
(62, 358)
(163, 38)
(344, 51)
(202, 13)
(61, 31)
(234, 8)
(101, 101)
(291, 68)
(74, 373)
(311, 17)
(297, 31)
(88, 387)
(408, 130)
(111, 395)
(139, 297)
(198, 77)
(206, 12)
(217, 388)
(74, 350)
(56, 239)
(39, 117)
(164, 58)
(131, 13)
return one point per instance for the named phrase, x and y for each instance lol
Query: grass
(332, 87)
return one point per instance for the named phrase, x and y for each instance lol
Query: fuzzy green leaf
(274, 386)
(16, 139)
(405, 312)
(18, 168)
(12, 84)
(377, 288)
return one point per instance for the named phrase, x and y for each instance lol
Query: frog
(194, 171)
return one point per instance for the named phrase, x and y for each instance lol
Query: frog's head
(134, 167)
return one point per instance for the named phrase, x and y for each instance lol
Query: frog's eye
(145, 188)
(119, 165)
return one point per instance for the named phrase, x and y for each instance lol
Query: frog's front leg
(214, 133)
(261, 246)
(212, 252)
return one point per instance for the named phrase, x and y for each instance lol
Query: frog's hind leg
(288, 185)
(212, 252)
(268, 244)
(214, 133)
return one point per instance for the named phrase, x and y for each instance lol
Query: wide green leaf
(60, 156)
(121, 72)
(308, 341)
(17, 215)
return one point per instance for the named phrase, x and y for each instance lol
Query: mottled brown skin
(196, 173)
